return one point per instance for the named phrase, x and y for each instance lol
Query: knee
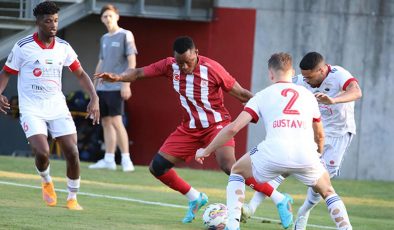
(328, 191)
(159, 165)
(41, 151)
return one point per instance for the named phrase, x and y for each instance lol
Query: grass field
(117, 200)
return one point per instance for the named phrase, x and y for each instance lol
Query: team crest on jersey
(204, 82)
(176, 76)
(37, 72)
(9, 59)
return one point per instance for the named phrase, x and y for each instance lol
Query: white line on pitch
(142, 201)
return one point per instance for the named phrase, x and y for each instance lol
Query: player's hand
(125, 92)
(324, 99)
(93, 110)
(200, 155)
(111, 77)
(4, 104)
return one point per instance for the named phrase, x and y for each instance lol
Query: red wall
(154, 110)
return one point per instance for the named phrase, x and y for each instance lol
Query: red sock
(172, 180)
(265, 188)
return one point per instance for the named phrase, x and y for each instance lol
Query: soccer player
(294, 139)
(199, 81)
(38, 60)
(336, 90)
(117, 53)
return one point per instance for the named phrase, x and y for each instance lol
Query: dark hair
(311, 60)
(280, 61)
(109, 7)
(182, 44)
(44, 8)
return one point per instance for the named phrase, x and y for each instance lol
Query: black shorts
(111, 103)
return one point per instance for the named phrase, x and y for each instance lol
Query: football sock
(258, 197)
(73, 188)
(338, 212)
(312, 199)
(192, 194)
(109, 157)
(235, 199)
(45, 177)
(125, 156)
(277, 197)
(172, 180)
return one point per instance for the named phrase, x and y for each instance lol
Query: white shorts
(334, 151)
(33, 125)
(265, 171)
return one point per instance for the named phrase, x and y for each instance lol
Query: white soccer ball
(215, 216)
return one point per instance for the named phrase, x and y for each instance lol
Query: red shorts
(183, 142)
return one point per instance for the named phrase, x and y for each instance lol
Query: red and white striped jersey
(39, 69)
(200, 93)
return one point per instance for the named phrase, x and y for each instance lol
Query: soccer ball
(215, 216)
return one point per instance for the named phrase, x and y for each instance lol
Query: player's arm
(4, 104)
(240, 93)
(130, 75)
(224, 136)
(319, 135)
(351, 93)
(93, 106)
(125, 91)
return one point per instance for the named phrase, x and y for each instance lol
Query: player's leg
(63, 129)
(123, 143)
(334, 150)
(109, 133)
(236, 191)
(336, 207)
(36, 133)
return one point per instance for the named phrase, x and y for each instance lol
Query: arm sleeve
(130, 47)
(156, 69)
(226, 81)
(71, 59)
(315, 108)
(14, 61)
(252, 108)
(344, 78)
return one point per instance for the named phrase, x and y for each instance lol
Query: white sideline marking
(143, 202)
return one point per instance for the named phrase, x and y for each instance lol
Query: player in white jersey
(336, 90)
(38, 61)
(292, 145)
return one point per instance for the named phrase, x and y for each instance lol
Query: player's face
(110, 19)
(187, 61)
(314, 77)
(48, 24)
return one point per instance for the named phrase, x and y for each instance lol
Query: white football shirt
(338, 119)
(39, 69)
(288, 111)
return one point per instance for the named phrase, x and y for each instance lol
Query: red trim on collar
(42, 45)
(329, 69)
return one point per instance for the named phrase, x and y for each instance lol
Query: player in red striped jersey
(200, 82)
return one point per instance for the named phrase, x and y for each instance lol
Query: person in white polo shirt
(38, 61)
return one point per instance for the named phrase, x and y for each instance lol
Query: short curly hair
(46, 7)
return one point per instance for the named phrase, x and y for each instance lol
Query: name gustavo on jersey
(288, 123)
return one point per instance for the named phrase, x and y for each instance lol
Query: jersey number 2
(287, 109)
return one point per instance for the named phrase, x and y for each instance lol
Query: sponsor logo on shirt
(37, 72)
(115, 44)
(219, 127)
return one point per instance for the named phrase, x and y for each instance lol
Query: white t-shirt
(338, 119)
(288, 111)
(39, 71)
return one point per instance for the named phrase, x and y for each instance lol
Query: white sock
(73, 188)
(45, 177)
(109, 157)
(235, 199)
(256, 200)
(312, 199)
(338, 212)
(277, 197)
(192, 194)
(125, 156)
(276, 182)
